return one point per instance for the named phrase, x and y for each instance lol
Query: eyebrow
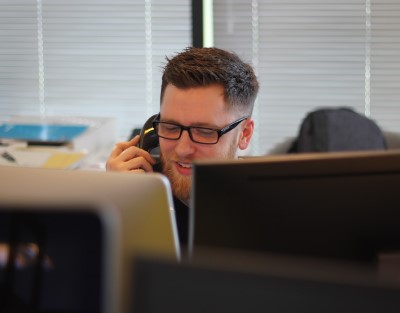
(205, 125)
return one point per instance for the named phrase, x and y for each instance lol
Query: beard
(181, 185)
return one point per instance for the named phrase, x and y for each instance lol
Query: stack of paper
(46, 157)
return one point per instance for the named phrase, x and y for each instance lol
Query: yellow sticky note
(63, 160)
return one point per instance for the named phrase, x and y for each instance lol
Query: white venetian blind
(315, 53)
(88, 57)
(385, 63)
(19, 83)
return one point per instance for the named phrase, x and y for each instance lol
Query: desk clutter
(53, 142)
(43, 133)
(18, 154)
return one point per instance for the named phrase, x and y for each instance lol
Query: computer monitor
(68, 238)
(215, 287)
(332, 206)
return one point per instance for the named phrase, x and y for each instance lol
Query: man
(206, 102)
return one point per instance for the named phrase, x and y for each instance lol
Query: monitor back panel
(343, 206)
(165, 287)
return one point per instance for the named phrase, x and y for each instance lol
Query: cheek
(166, 146)
(214, 151)
(229, 148)
(222, 149)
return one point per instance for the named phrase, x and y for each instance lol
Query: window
(88, 57)
(315, 53)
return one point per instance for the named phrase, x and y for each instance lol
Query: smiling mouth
(185, 165)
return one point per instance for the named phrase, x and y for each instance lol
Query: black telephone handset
(149, 140)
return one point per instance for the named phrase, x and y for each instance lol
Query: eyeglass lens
(197, 134)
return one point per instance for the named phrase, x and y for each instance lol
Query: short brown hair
(201, 67)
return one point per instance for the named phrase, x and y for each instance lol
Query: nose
(185, 145)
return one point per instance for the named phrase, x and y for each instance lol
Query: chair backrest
(337, 129)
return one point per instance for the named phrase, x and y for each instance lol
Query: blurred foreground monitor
(240, 283)
(68, 238)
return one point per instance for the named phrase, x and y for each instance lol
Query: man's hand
(126, 157)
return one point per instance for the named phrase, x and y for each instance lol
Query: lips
(185, 165)
(184, 168)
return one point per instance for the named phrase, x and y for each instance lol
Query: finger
(121, 146)
(137, 171)
(138, 163)
(135, 152)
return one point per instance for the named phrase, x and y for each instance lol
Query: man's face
(203, 106)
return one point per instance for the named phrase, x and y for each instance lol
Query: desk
(19, 154)
(88, 142)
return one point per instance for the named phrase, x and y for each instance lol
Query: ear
(246, 133)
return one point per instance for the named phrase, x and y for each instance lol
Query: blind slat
(315, 53)
(99, 56)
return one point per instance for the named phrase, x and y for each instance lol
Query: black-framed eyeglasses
(197, 134)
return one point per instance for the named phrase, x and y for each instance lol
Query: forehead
(195, 105)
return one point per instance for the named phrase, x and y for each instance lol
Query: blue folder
(44, 133)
